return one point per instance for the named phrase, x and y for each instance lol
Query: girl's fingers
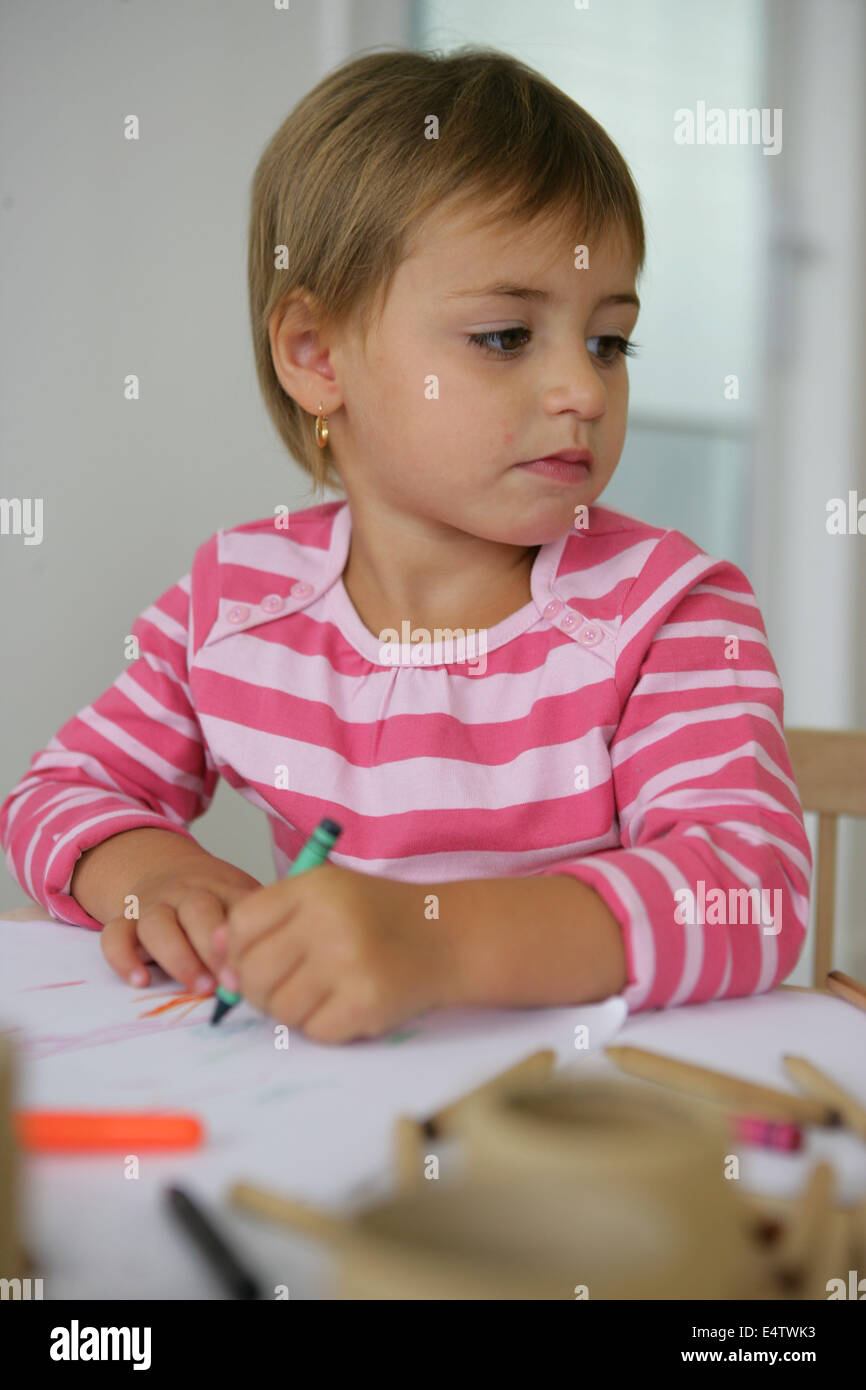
(267, 963)
(257, 913)
(160, 932)
(330, 1023)
(119, 941)
(200, 913)
(295, 997)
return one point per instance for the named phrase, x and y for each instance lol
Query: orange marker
(65, 1131)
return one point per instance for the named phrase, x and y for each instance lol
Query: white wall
(130, 257)
(812, 585)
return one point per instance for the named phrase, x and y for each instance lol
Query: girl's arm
(133, 759)
(519, 942)
(711, 884)
(708, 895)
(101, 877)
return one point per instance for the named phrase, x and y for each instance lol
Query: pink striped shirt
(625, 727)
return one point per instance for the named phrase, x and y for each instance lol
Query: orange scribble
(170, 994)
(175, 1002)
(199, 999)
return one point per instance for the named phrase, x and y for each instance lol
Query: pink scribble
(61, 984)
(47, 1045)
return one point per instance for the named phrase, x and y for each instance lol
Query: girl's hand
(178, 912)
(338, 954)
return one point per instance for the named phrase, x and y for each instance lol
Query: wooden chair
(830, 772)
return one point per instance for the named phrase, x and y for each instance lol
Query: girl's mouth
(559, 470)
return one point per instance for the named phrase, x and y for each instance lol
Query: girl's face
(436, 419)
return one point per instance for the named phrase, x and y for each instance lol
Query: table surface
(90, 1236)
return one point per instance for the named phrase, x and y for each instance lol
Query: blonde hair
(349, 176)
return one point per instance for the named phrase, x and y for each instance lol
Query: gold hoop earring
(321, 427)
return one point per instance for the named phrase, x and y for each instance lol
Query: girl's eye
(616, 346)
(484, 340)
(622, 347)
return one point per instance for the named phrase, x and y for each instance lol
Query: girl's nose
(579, 385)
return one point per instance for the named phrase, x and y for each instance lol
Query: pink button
(272, 603)
(590, 636)
(568, 622)
(300, 590)
(238, 614)
(552, 607)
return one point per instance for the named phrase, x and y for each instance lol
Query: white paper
(313, 1121)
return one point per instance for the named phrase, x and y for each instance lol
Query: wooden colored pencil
(793, 1259)
(308, 1220)
(822, 1087)
(857, 1219)
(408, 1151)
(846, 987)
(746, 1096)
(536, 1067)
(828, 1258)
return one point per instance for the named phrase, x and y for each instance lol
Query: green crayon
(313, 853)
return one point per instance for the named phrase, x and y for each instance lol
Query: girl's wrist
(459, 983)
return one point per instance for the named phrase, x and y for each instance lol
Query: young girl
(442, 267)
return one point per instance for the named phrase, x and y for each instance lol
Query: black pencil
(223, 1261)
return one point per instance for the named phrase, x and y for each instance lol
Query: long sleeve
(134, 757)
(711, 885)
